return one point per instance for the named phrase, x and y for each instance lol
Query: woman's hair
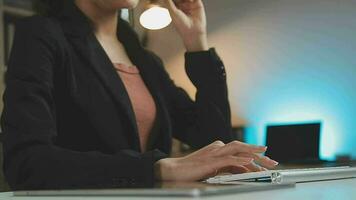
(50, 7)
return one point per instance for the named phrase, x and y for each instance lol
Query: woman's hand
(235, 157)
(190, 21)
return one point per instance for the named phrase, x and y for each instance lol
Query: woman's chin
(116, 4)
(133, 3)
(119, 4)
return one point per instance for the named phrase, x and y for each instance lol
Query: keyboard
(288, 175)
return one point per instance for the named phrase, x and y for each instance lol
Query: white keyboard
(289, 175)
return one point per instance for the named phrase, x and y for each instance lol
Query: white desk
(327, 190)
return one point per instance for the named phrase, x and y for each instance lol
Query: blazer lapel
(145, 63)
(80, 34)
(147, 73)
(77, 27)
(90, 49)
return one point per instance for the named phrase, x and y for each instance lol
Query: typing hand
(234, 157)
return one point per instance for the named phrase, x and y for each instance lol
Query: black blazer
(68, 121)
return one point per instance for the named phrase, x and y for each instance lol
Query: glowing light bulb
(155, 18)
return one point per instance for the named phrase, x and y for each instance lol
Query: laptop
(294, 143)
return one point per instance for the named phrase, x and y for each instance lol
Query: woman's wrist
(164, 169)
(199, 43)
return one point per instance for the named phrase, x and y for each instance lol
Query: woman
(86, 106)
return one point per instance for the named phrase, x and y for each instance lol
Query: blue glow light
(297, 64)
(305, 110)
(291, 61)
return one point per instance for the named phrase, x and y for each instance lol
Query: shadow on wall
(287, 61)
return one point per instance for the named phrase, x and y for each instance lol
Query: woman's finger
(171, 6)
(230, 161)
(253, 167)
(211, 167)
(264, 161)
(188, 5)
(211, 147)
(175, 6)
(234, 170)
(235, 147)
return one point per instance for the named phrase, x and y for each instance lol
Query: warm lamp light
(155, 18)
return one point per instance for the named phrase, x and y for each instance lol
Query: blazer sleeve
(31, 158)
(207, 119)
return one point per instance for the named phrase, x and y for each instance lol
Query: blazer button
(223, 70)
(114, 181)
(132, 182)
(120, 182)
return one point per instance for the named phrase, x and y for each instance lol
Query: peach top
(141, 99)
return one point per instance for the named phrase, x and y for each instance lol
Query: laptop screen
(293, 143)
